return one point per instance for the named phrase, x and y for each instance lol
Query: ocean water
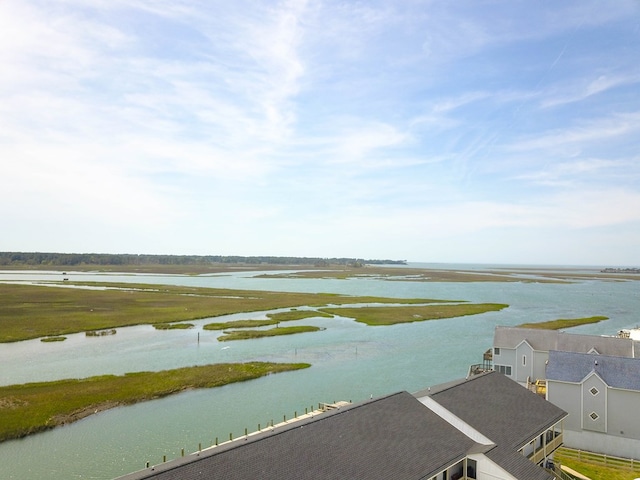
(350, 361)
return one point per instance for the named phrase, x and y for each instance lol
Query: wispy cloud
(388, 121)
(587, 132)
(587, 88)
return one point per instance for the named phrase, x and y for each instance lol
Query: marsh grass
(564, 323)
(405, 314)
(239, 324)
(100, 333)
(33, 311)
(411, 275)
(33, 407)
(272, 332)
(273, 319)
(297, 315)
(173, 326)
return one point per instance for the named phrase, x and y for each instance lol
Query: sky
(430, 131)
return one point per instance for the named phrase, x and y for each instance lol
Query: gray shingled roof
(505, 412)
(546, 340)
(517, 464)
(617, 372)
(394, 437)
(500, 408)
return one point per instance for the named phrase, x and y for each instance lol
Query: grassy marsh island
(412, 275)
(34, 407)
(173, 326)
(273, 319)
(297, 315)
(564, 323)
(271, 332)
(417, 313)
(239, 324)
(53, 339)
(369, 315)
(101, 333)
(33, 311)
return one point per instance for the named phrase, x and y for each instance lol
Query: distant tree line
(70, 259)
(620, 270)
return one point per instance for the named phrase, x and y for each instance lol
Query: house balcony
(488, 356)
(552, 441)
(485, 366)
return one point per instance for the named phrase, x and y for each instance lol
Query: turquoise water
(350, 361)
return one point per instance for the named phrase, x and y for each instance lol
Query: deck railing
(547, 449)
(601, 458)
(477, 369)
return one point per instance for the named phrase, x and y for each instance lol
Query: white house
(522, 353)
(602, 396)
(596, 379)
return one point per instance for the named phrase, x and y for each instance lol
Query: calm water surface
(350, 361)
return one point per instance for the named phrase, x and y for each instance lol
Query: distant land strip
(40, 259)
(621, 270)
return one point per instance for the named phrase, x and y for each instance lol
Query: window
(594, 391)
(504, 369)
(594, 416)
(496, 350)
(471, 468)
(524, 359)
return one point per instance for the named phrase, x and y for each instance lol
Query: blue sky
(432, 131)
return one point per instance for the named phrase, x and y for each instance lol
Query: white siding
(488, 470)
(524, 363)
(567, 396)
(594, 404)
(623, 414)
